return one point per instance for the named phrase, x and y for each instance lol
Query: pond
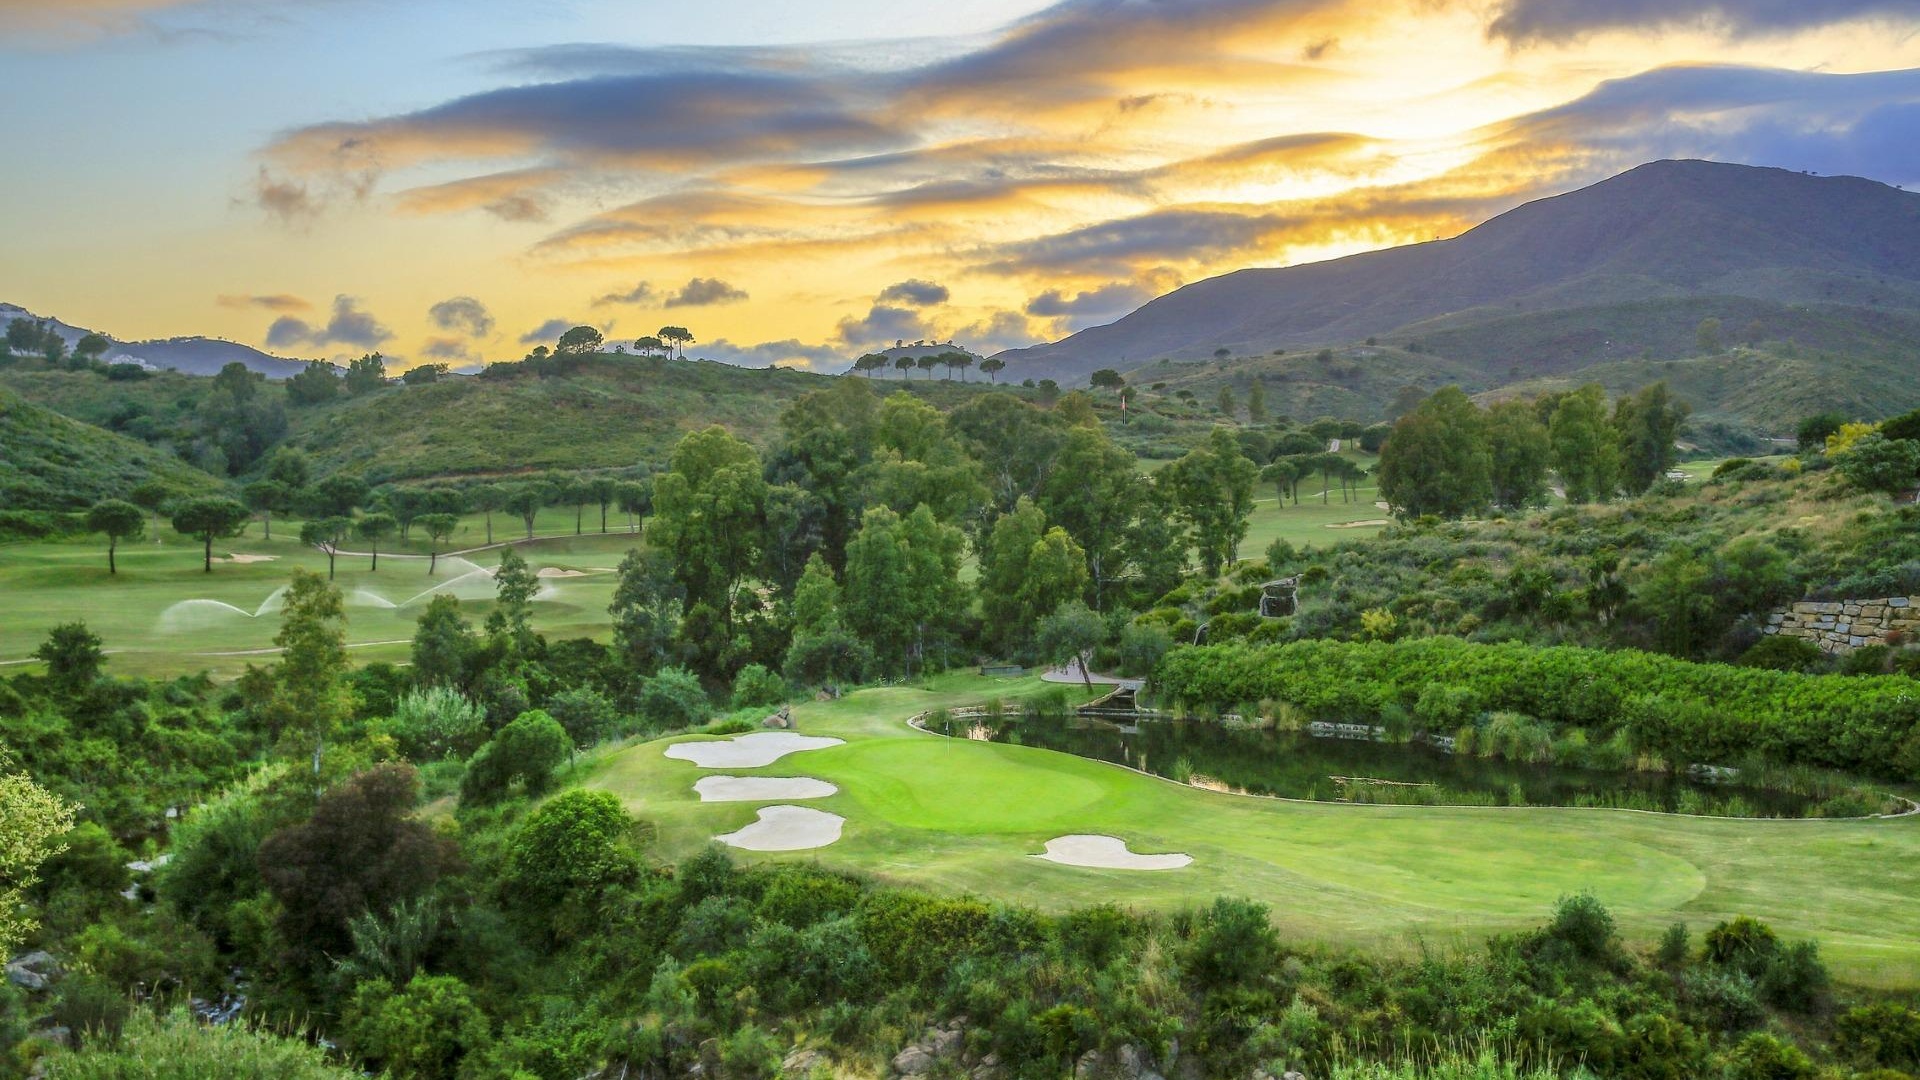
(1298, 765)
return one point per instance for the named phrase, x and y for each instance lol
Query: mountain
(57, 463)
(192, 355)
(1623, 269)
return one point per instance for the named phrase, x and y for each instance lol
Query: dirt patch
(1107, 853)
(761, 788)
(787, 828)
(747, 751)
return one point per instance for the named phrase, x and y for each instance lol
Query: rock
(32, 971)
(943, 1042)
(913, 1061)
(805, 1062)
(1134, 1064)
(1294, 1076)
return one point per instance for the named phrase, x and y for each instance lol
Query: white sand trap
(748, 751)
(232, 557)
(556, 572)
(761, 788)
(1367, 524)
(787, 828)
(1107, 853)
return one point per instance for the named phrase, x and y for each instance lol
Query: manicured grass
(145, 619)
(952, 814)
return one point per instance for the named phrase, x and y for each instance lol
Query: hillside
(56, 463)
(1562, 283)
(192, 355)
(615, 412)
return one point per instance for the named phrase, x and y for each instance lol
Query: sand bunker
(787, 828)
(1106, 853)
(234, 558)
(748, 751)
(761, 788)
(1367, 524)
(554, 572)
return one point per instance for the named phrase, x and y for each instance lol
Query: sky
(797, 183)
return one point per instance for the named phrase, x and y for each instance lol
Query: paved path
(1070, 673)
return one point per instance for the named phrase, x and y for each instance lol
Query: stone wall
(1841, 626)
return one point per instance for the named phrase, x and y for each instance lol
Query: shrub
(436, 722)
(756, 687)
(178, 1046)
(1742, 943)
(673, 699)
(526, 751)
(586, 714)
(1794, 978)
(568, 850)
(1760, 1056)
(1884, 1035)
(425, 1029)
(1235, 944)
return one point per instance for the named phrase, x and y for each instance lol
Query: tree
(573, 491)
(869, 362)
(361, 850)
(405, 504)
(208, 520)
(264, 497)
(1585, 449)
(902, 581)
(439, 527)
(904, 365)
(1706, 337)
(1878, 463)
(373, 528)
(603, 490)
(327, 534)
(993, 366)
(1211, 490)
(1518, 452)
(1226, 402)
(32, 820)
(315, 384)
(236, 381)
(526, 751)
(311, 695)
(709, 513)
(1405, 400)
(151, 496)
(958, 361)
(927, 363)
(1437, 460)
(487, 498)
(515, 586)
(118, 521)
(442, 643)
(678, 336)
(91, 347)
(574, 847)
(338, 495)
(527, 500)
(1257, 402)
(1106, 379)
(367, 374)
(1094, 492)
(1072, 632)
(579, 341)
(1647, 425)
(649, 345)
(425, 374)
(73, 657)
(635, 499)
(647, 605)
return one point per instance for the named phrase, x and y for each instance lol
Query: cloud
(917, 292)
(348, 326)
(518, 196)
(789, 353)
(1533, 21)
(277, 302)
(446, 348)
(641, 293)
(547, 332)
(287, 200)
(999, 332)
(464, 314)
(883, 324)
(705, 292)
(1180, 234)
(1090, 307)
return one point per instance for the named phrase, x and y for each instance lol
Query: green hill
(53, 462)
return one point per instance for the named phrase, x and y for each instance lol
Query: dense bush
(1679, 710)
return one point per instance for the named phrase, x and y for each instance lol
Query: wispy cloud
(274, 302)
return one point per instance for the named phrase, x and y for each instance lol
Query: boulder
(913, 1061)
(806, 1062)
(32, 971)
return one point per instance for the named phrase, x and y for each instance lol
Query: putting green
(958, 815)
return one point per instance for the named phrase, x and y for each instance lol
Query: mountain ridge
(190, 354)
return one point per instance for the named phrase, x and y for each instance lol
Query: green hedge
(1683, 711)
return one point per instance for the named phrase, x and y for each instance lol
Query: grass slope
(52, 462)
(952, 814)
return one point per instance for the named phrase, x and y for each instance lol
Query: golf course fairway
(956, 815)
